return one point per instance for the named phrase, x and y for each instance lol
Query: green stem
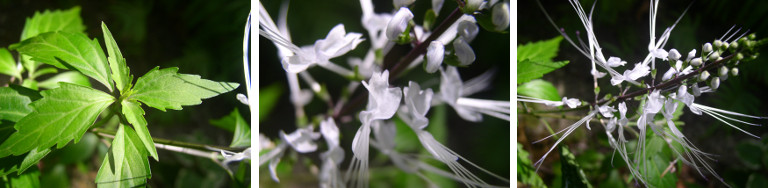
(171, 142)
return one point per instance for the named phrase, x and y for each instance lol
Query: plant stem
(398, 67)
(169, 142)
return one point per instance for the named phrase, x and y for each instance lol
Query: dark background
(622, 29)
(200, 37)
(482, 143)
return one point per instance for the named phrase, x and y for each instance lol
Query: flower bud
(473, 5)
(398, 23)
(752, 36)
(402, 3)
(739, 56)
(674, 55)
(463, 51)
(734, 45)
(696, 62)
(706, 48)
(703, 76)
(724, 46)
(500, 15)
(723, 72)
(735, 71)
(718, 44)
(714, 56)
(714, 83)
(435, 53)
(468, 30)
(691, 55)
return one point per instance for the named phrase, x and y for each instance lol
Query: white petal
(437, 5)
(330, 132)
(659, 53)
(417, 100)
(336, 43)
(671, 72)
(674, 55)
(382, 100)
(617, 79)
(500, 15)
(597, 74)
(615, 62)
(468, 30)
(450, 85)
(435, 54)
(654, 103)
(463, 51)
(607, 111)
(691, 55)
(572, 103)
(402, 3)
(639, 71)
(399, 22)
(385, 134)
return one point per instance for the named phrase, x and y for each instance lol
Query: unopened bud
(723, 72)
(752, 36)
(739, 56)
(735, 71)
(734, 45)
(501, 16)
(399, 23)
(714, 83)
(718, 44)
(703, 76)
(463, 51)
(696, 62)
(706, 48)
(691, 55)
(724, 46)
(714, 56)
(673, 55)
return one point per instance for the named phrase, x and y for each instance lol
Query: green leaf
(67, 50)
(528, 70)
(135, 116)
(13, 105)
(268, 98)
(8, 65)
(657, 162)
(234, 122)
(27, 179)
(749, 154)
(526, 174)
(44, 71)
(20, 163)
(757, 180)
(48, 21)
(573, 176)
(166, 89)
(535, 59)
(541, 51)
(126, 164)
(539, 89)
(63, 114)
(68, 20)
(120, 72)
(73, 77)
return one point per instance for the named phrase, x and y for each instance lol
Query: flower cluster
(385, 101)
(657, 98)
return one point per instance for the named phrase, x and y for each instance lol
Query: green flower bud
(724, 46)
(734, 46)
(739, 56)
(718, 44)
(734, 71)
(714, 56)
(715, 83)
(752, 36)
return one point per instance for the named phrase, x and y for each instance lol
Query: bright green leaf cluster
(234, 122)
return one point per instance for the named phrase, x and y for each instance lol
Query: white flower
(615, 62)
(572, 102)
(463, 51)
(399, 23)
(435, 54)
(654, 103)
(623, 114)
(706, 48)
(301, 139)
(382, 100)
(607, 111)
(671, 72)
(338, 42)
(659, 53)
(500, 15)
(639, 71)
(437, 5)
(468, 30)
(330, 132)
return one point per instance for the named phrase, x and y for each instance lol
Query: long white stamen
(571, 128)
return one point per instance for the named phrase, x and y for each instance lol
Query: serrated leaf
(27, 179)
(63, 114)
(8, 65)
(539, 89)
(573, 176)
(48, 21)
(20, 163)
(135, 116)
(13, 105)
(234, 122)
(120, 72)
(540, 51)
(73, 77)
(526, 174)
(57, 20)
(67, 50)
(166, 89)
(528, 70)
(126, 164)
